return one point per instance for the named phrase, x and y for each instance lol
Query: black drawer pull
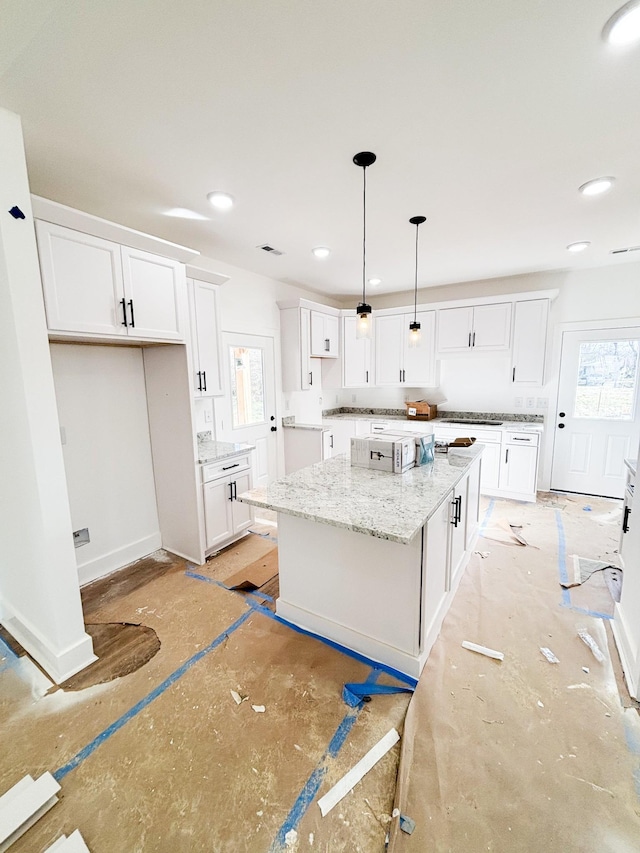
(124, 311)
(229, 467)
(133, 319)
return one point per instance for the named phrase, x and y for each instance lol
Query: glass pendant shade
(414, 335)
(364, 324)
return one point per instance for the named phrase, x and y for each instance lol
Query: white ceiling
(485, 117)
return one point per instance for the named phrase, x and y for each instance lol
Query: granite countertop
(508, 421)
(632, 465)
(376, 503)
(296, 425)
(212, 451)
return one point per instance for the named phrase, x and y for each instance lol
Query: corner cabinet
(205, 339)
(225, 517)
(478, 328)
(96, 288)
(397, 363)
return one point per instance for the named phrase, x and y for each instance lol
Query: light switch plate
(517, 402)
(531, 402)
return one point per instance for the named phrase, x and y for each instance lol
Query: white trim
(630, 664)
(60, 214)
(118, 558)
(23, 805)
(462, 303)
(206, 275)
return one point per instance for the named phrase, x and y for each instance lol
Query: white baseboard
(58, 664)
(114, 560)
(630, 661)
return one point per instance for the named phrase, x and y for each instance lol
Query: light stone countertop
(213, 451)
(296, 425)
(376, 503)
(444, 421)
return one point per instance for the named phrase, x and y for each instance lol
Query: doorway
(249, 408)
(597, 424)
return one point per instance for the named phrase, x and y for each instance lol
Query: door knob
(272, 418)
(561, 415)
(560, 426)
(274, 429)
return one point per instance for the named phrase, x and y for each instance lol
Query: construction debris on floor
(230, 731)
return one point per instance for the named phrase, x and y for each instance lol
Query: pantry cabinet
(529, 342)
(98, 288)
(225, 517)
(205, 339)
(396, 362)
(477, 328)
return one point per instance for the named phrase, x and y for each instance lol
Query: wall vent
(625, 250)
(270, 249)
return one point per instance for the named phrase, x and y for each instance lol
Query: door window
(247, 386)
(607, 378)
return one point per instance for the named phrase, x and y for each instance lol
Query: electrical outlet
(531, 402)
(353, 398)
(208, 416)
(517, 402)
(287, 406)
(542, 403)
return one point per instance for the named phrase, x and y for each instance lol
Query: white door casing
(261, 427)
(597, 416)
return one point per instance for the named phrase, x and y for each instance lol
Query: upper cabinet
(396, 362)
(357, 364)
(324, 335)
(477, 328)
(529, 341)
(97, 288)
(205, 339)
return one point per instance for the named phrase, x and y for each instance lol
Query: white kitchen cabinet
(325, 329)
(477, 328)
(97, 288)
(205, 339)
(436, 566)
(297, 372)
(225, 517)
(519, 467)
(357, 367)
(529, 342)
(341, 430)
(396, 362)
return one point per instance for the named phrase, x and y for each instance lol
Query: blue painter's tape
(353, 693)
(564, 575)
(401, 676)
(143, 703)
(312, 785)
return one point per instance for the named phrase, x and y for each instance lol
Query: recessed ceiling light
(579, 247)
(221, 201)
(374, 282)
(321, 252)
(623, 27)
(184, 213)
(597, 186)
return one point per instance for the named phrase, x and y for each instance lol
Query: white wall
(39, 591)
(102, 408)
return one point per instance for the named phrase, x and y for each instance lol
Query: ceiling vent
(624, 251)
(270, 249)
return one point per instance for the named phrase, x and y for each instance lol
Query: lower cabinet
(225, 517)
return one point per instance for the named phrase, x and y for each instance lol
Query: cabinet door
(519, 469)
(155, 290)
(356, 356)
(419, 363)
(435, 584)
(529, 342)
(207, 334)
(218, 520)
(332, 334)
(455, 329)
(242, 513)
(491, 327)
(317, 337)
(458, 530)
(389, 349)
(472, 510)
(306, 374)
(81, 281)
(490, 467)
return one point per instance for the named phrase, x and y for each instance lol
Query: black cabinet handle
(235, 490)
(230, 491)
(454, 504)
(625, 520)
(311, 377)
(513, 378)
(199, 375)
(327, 345)
(124, 312)
(229, 467)
(515, 438)
(469, 339)
(331, 441)
(506, 455)
(474, 340)
(133, 319)
(204, 380)
(400, 376)
(367, 376)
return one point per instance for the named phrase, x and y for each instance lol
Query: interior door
(248, 412)
(597, 418)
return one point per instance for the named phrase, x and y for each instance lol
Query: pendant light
(363, 326)
(414, 327)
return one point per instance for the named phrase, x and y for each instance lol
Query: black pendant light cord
(415, 288)
(364, 231)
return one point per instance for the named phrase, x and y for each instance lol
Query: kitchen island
(370, 559)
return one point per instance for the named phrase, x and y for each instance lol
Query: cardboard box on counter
(420, 410)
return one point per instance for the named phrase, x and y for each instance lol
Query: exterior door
(597, 418)
(249, 414)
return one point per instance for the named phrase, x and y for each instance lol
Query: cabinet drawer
(522, 438)
(224, 468)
